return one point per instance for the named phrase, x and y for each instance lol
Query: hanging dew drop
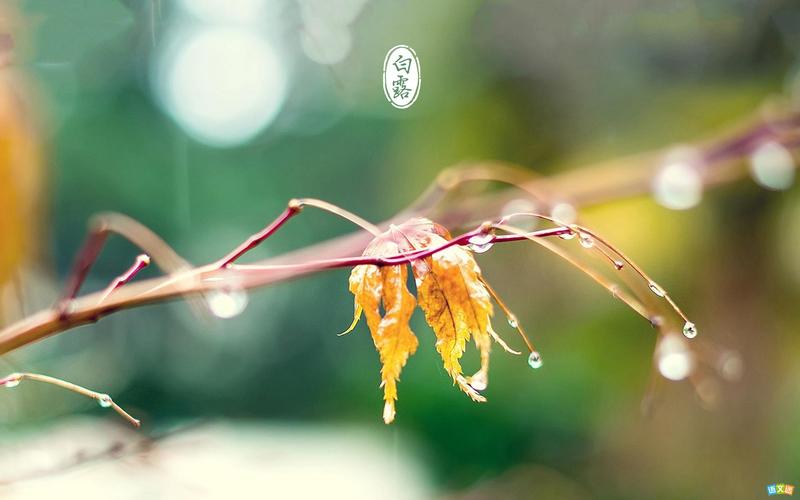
(12, 381)
(104, 400)
(535, 360)
(481, 243)
(689, 330)
(586, 240)
(567, 236)
(512, 321)
(227, 303)
(618, 265)
(656, 289)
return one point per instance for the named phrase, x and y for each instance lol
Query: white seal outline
(419, 76)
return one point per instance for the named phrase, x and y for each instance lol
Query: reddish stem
(86, 257)
(256, 239)
(405, 258)
(141, 262)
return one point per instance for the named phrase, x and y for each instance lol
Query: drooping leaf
(457, 307)
(374, 287)
(450, 292)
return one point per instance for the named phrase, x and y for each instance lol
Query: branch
(582, 187)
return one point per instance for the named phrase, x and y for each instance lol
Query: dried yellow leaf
(451, 293)
(374, 287)
(458, 307)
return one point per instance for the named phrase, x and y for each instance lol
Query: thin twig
(102, 399)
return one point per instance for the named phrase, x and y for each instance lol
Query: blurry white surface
(224, 460)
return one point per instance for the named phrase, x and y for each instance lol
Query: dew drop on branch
(11, 381)
(772, 166)
(568, 235)
(227, 303)
(689, 330)
(675, 362)
(586, 240)
(678, 184)
(512, 321)
(656, 289)
(481, 243)
(104, 400)
(535, 360)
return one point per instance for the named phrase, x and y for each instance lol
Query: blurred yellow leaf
(19, 176)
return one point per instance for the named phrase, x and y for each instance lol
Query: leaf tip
(388, 412)
(356, 317)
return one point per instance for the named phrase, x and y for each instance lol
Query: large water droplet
(586, 240)
(104, 400)
(656, 289)
(479, 381)
(772, 166)
(689, 330)
(674, 359)
(227, 302)
(675, 366)
(12, 380)
(678, 184)
(481, 243)
(535, 360)
(618, 265)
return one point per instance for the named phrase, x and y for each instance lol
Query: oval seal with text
(402, 77)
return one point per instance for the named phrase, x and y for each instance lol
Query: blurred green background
(545, 84)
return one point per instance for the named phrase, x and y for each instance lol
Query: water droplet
(481, 243)
(772, 166)
(567, 236)
(656, 289)
(618, 265)
(689, 330)
(674, 359)
(12, 380)
(227, 302)
(564, 213)
(535, 360)
(512, 321)
(104, 400)
(479, 381)
(586, 240)
(730, 365)
(678, 184)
